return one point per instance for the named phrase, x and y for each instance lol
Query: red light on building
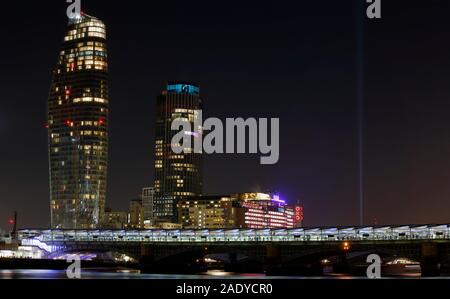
(69, 123)
(67, 91)
(101, 121)
(11, 221)
(298, 214)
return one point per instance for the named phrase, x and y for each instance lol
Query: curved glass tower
(78, 127)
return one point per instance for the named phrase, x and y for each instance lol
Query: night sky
(295, 60)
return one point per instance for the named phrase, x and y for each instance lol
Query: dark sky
(295, 60)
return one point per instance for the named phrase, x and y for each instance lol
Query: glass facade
(177, 176)
(78, 127)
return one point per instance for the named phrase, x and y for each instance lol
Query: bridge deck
(404, 232)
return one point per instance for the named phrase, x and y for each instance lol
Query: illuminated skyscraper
(78, 126)
(177, 176)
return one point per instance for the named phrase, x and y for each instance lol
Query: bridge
(295, 248)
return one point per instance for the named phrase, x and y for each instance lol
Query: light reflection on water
(60, 274)
(92, 274)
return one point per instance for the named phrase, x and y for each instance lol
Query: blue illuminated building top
(184, 88)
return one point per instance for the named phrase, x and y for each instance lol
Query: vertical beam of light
(360, 17)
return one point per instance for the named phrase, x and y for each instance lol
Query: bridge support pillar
(233, 264)
(430, 266)
(341, 266)
(147, 257)
(272, 259)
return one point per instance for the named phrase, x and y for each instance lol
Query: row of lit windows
(266, 215)
(96, 147)
(251, 223)
(85, 99)
(82, 30)
(97, 34)
(72, 62)
(86, 57)
(83, 123)
(73, 36)
(196, 202)
(97, 29)
(88, 64)
(182, 169)
(98, 45)
(89, 46)
(176, 157)
(83, 35)
(183, 193)
(267, 223)
(93, 23)
(82, 133)
(210, 212)
(89, 99)
(87, 149)
(95, 133)
(187, 165)
(213, 202)
(85, 54)
(190, 117)
(185, 111)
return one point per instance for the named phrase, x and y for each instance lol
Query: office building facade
(177, 176)
(135, 215)
(114, 220)
(209, 212)
(148, 196)
(244, 210)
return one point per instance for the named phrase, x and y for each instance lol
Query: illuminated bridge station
(428, 244)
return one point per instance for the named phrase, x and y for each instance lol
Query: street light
(346, 246)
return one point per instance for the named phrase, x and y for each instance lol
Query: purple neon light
(276, 198)
(195, 134)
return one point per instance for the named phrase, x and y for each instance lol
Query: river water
(93, 274)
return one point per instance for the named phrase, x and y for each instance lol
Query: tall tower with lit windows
(78, 127)
(177, 176)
